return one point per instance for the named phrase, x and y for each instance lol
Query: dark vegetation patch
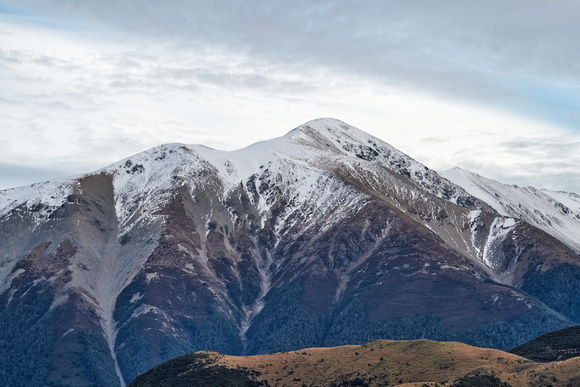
(139, 346)
(559, 345)
(479, 378)
(25, 338)
(197, 370)
(558, 287)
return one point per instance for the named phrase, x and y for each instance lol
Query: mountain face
(325, 236)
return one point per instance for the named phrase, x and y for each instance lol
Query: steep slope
(377, 363)
(325, 236)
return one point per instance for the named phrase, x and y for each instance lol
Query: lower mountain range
(325, 236)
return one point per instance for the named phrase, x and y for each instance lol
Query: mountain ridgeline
(323, 237)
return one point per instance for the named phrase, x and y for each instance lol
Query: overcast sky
(489, 86)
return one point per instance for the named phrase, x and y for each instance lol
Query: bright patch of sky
(84, 84)
(552, 102)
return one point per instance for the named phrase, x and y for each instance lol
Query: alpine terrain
(323, 237)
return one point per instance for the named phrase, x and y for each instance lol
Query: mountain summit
(324, 236)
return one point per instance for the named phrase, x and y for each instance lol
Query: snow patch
(67, 332)
(135, 297)
(151, 276)
(498, 231)
(145, 308)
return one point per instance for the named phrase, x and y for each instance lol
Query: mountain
(378, 363)
(325, 236)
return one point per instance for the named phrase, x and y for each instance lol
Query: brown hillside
(386, 363)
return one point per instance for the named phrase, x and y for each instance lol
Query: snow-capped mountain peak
(323, 236)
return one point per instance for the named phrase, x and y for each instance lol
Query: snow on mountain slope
(557, 213)
(320, 144)
(153, 173)
(33, 205)
(333, 138)
(568, 199)
(39, 196)
(144, 182)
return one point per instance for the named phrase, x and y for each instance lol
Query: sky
(489, 86)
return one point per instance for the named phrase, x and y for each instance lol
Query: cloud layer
(491, 87)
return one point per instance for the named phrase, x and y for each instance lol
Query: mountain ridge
(541, 208)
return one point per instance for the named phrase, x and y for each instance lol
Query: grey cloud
(44, 60)
(463, 50)
(466, 50)
(15, 175)
(542, 160)
(553, 149)
(540, 163)
(225, 78)
(10, 57)
(562, 181)
(140, 73)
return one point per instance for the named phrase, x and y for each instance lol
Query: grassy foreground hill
(419, 363)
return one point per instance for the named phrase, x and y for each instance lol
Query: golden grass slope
(409, 363)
